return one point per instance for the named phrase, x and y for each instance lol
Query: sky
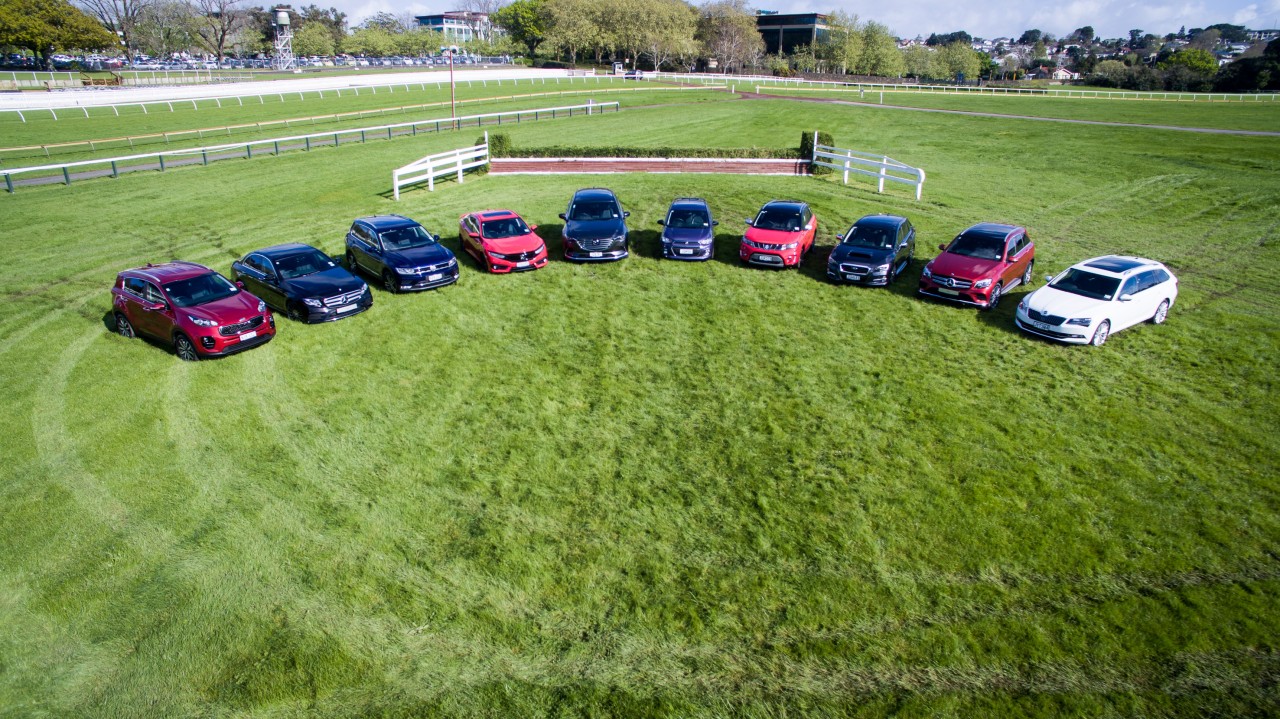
(980, 18)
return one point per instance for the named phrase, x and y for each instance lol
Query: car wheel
(185, 349)
(389, 283)
(1162, 313)
(294, 313)
(123, 326)
(351, 262)
(995, 297)
(1100, 335)
(1026, 276)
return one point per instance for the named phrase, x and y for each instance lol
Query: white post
(883, 161)
(395, 182)
(459, 168)
(919, 182)
(431, 176)
(848, 154)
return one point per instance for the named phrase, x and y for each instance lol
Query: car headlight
(1080, 321)
(202, 322)
(406, 270)
(926, 273)
(497, 255)
(540, 250)
(880, 270)
(981, 284)
(262, 307)
(791, 245)
(313, 303)
(1023, 306)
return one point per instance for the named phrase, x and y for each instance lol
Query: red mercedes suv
(191, 307)
(980, 265)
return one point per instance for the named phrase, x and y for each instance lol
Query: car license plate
(522, 264)
(946, 291)
(855, 278)
(436, 276)
(348, 308)
(1038, 325)
(597, 254)
(248, 336)
(685, 252)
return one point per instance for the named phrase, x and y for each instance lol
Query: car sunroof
(1115, 264)
(495, 214)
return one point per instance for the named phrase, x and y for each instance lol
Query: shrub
(499, 144)
(806, 149)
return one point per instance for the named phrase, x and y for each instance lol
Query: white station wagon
(1096, 298)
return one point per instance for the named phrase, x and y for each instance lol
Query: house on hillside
(1062, 74)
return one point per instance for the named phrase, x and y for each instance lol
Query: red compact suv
(501, 241)
(193, 308)
(980, 265)
(780, 235)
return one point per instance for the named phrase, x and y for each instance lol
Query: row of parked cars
(203, 314)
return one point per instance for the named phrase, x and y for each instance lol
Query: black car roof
(387, 222)
(594, 193)
(880, 220)
(286, 249)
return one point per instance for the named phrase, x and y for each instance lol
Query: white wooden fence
(865, 163)
(439, 165)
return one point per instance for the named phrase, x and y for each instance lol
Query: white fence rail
(865, 163)
(439, 165)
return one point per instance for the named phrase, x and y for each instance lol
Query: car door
(159, 321)
(134, 305)
(810, 229)
(366, 249)
(249, 272)
(902, 246)
(270, 286)
(1146, 298)
(471, 240)
(1129, 311)
(1014, 260)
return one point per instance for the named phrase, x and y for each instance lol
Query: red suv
(192, 307)
(980, 265)
(780, 235)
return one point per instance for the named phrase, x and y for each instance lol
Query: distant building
(784, 33)
(1264, 34)
(460, 26)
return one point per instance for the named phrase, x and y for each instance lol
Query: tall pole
(453, 91)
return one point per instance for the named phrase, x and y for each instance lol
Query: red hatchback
(501, 241)
(980, 265)
(193, 308)
(780, 235)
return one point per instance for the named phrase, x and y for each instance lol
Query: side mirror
(239, 284)
(715, 222)
(532, 227)
(436, 237)
(1126, 297)
(563, 217)
(839, 238)
(626, 214)
(748, 221)
(942, 247)
(473, 235)
(662, 222)
(808, 226)
(1048, 278)
(154, 306)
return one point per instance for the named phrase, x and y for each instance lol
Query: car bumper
(1061, 333)
(411, 283)
(316, 315)
(223, 347)
(769, 258)
(503, 267)
(677, 251)
(970, 296)
(850, 278)
(577, 255)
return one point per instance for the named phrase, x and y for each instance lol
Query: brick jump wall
(613, 165)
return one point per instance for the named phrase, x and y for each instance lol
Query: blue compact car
(595, 227)
(401, 253)
(875, 250)
(688, 232)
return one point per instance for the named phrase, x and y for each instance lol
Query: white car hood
(1065, 304)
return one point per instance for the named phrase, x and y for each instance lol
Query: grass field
(650, 488)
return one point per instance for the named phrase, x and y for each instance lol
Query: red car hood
(512, 245)
(773, 237)
(967, 268)
(226, 311)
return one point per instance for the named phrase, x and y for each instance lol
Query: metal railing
(880, 167)
(274, 146)
(439, 165)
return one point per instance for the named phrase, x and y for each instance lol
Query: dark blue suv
(687, 233)
(875, 250)
(595, 227)
(399, 252)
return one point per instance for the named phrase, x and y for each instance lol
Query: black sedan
(302, 282)
(875, 250)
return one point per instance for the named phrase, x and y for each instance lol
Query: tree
(949, 38)
(314, 39)
(119, 16)
(164, 28)
(47, 26)
(915, 60)
(1084, 35)
(215, 21)
(384, 21)
(727, 30)
(1030, 37)
(570, 26)
(1206, 40)
(1112, 72)
(1230, 33)
(845, 40)
(1039, 52)
(951, 61)
(372, 41)
(1201, 61)
(1135, 38)
(880, 54)
(525, 22)
(667, 31)
(332, 20)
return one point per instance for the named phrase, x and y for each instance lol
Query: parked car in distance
(501, 241)
(303, 282)
(781, 234)
(1094, 299)
(981, 265)
(595, 227)
(400, 252)
(688, 231)
(196, 310)
(874, 251)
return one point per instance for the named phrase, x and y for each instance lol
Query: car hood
(513, 245)
(226, 311)
(868, 255)
(594, 229)
(1064, 304)
(773, 237)
(687, 234)
(332, 281)
(968, 268)
(418, 256)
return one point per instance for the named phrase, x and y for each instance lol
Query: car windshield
(200, 290)
(302, 263)
(688, 219)
(876, 237)
(594, 210)
(784, 220)
(1087, 284)
(979, 245)
(506, 227)
(403, 238)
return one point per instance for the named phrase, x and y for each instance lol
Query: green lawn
(651, 488)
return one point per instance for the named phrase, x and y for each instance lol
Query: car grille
(854, 269)
(237, 328)
(425, 269)
(597, 245)
(518, 256)
(1045, 317)
(953, 282)
(343, 299)
(763, 245)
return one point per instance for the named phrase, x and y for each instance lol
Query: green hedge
(736, 153)
(806, 149)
